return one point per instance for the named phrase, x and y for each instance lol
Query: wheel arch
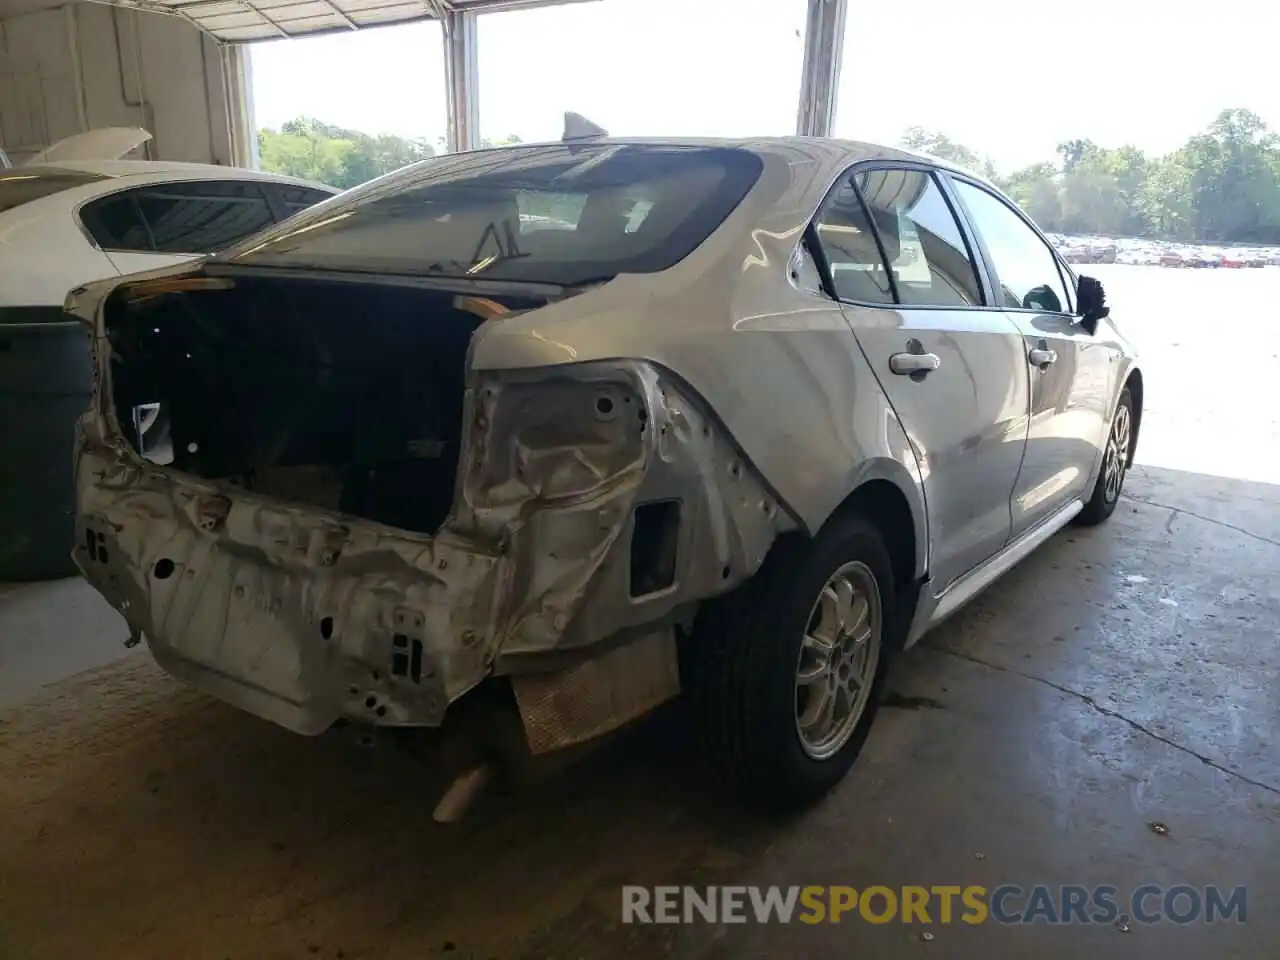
(1134, 382)
(889, 499)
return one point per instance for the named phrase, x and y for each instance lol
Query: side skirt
(932, 610)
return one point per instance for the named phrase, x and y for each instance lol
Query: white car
(72, 215)
(75, 213)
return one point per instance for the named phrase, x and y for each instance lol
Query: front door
(954, 373)
(1070, 371)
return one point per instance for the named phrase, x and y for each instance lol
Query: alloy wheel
(836, 668)
(1117, 455)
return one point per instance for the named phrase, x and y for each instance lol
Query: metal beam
(237, 85)
(461, 79)
(820, 79)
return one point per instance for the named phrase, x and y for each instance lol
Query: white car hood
(107, 143)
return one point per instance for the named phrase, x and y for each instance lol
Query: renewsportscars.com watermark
(1005, 904)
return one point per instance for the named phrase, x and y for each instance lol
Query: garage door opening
(347, 107)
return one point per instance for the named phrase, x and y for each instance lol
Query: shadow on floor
(1119, 676)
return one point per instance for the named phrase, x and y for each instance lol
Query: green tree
(1235, 194)
(304, 155)
(944, 148)
(1036, 189)
(306, 147)
(314, 150)
(1164, 200)
(1222, 185)
(1074, 153)
(1092, 202)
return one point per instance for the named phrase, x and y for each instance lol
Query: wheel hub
(838, 659)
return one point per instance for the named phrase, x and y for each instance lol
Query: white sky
(1010, 78)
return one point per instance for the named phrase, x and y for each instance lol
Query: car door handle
(1042, 356)
(906, 364)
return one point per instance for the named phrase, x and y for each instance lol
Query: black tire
(740, 667)
(1103, 501)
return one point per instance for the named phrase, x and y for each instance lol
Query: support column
(237, 87)
(820, 79)
(460, 77)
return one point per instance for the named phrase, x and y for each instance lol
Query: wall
(88, 65)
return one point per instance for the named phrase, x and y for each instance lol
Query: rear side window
(193, 217)
(22, 186)
(928, 257)
(849, 244)
(564, 214)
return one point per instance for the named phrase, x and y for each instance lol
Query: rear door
(954, 371)
(160, 224)
(1070, 370)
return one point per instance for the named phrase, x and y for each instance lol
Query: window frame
(974, 253)
(1065, 276)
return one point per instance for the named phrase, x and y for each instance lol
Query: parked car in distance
(78, 215)
(734, 444)
(72, 215)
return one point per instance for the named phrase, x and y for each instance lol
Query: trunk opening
(335, 394)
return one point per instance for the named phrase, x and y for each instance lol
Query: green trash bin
(46, 382)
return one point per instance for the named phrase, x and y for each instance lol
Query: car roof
(855, 150)
(822, 152)
(799, 171)
(173, 169)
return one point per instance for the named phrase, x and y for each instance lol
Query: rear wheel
(1115, 465)
(788, 671)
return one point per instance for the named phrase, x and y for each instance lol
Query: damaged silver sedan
(581, 425)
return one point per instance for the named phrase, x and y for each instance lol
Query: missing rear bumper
(286, 612)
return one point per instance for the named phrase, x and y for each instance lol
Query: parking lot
(1122, 677)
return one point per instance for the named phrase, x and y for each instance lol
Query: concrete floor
(1119, 677)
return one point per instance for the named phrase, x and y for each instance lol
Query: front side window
(563, 214)
(927, 254)
(1026, 266)
(190, 217)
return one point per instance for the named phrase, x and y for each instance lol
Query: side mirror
(1091, 303)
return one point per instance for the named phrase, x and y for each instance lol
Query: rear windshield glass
(553, 214)
(17, 188)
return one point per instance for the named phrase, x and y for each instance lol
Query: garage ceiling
(245, 20)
